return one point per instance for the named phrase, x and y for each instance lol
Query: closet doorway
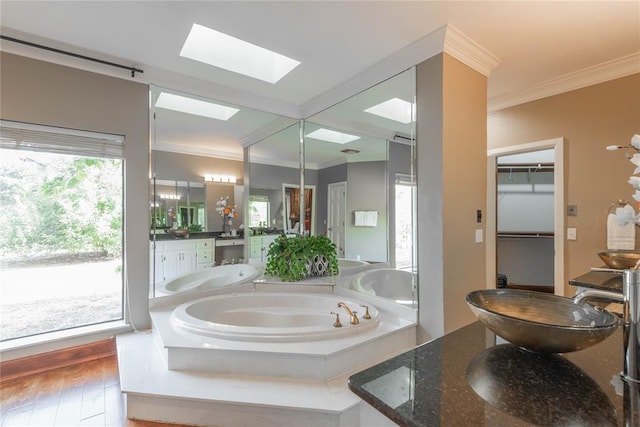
(525, 217)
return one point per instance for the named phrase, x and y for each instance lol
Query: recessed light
(188, 105)
(395, 109)
(224, 51)
(332, 136)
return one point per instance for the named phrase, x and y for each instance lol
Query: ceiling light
(332, 136)
(194, 106)
(350, 151)
(395, 109)
(224, 51)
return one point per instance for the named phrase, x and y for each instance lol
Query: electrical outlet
(571, 234)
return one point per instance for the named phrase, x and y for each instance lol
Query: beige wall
(590, 119)
(451, 152)
(44, 93)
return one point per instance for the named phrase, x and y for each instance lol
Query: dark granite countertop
(465, 378)
(599, 280)
(195, 235)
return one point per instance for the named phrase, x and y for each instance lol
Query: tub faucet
(630, 298)
(352, 314)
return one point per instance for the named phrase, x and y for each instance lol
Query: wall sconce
(227, 179)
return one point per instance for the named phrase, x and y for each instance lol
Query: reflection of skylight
(332, 136)
(195, 106)
(395, 109)
(221, 50)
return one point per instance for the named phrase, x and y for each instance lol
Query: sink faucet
(352, 314)
(630, 298)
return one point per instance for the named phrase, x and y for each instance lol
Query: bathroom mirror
(196, 165)
(367, 183)
(361, 166)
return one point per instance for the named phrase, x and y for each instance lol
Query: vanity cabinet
(259, 246)
(176, 257)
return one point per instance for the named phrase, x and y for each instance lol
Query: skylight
(395, 109)
(332, 136)
(195, 106)
(224, 51)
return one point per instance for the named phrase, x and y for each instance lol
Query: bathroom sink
(541, 322)
(620, 260)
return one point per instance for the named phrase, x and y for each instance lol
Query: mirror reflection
(357, 171)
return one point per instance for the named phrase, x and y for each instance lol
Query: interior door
(336, 215)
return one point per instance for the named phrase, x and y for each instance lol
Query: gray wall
(40, 92)
(366, 192)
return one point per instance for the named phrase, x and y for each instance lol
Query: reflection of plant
(627, 215)
(289, 258)
(225, 209)
(195, 228)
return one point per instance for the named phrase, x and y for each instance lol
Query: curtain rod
(75, 55)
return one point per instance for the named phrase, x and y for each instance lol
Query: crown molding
(197, 151)
(445, 39)
(589, 76)
(461, 47)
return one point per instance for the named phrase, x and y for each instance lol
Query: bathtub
(271, 317)
(397, 285)
(210, 278)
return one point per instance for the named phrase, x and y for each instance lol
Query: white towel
(620, 237)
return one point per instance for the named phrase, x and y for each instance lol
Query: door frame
(559, 185)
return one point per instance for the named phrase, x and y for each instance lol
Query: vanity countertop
(195, 236)
(465, 378)
(599, 280)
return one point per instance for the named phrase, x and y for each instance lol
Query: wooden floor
(86, 394)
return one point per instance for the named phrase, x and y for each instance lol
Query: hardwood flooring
(85, 394)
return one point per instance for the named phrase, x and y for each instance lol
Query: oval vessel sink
(620, 260)
(541, 322)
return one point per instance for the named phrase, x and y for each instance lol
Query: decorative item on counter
(621, 237)
(227, 212)
(624, 215)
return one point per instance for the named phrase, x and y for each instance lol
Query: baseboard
(39, 363)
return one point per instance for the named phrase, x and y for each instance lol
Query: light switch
(479, 236)
(571, 234)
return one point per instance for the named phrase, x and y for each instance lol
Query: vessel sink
(541, 322)
(620, 260)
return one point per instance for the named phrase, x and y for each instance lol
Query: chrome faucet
(352, 314)
(630, 298)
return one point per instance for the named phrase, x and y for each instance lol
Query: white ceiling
(542, 46)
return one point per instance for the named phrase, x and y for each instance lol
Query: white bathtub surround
(271, 317)
(188, 378)
(396, 285)
(210, 278)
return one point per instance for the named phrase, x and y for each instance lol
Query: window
(61, 251)
(259, 208)
(405, 196)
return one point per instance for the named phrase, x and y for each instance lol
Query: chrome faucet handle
(366, 312)
(337, 323)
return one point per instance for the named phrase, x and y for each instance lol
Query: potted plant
(295, 258)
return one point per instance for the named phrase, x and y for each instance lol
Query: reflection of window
(405, 195)
(258, 210)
